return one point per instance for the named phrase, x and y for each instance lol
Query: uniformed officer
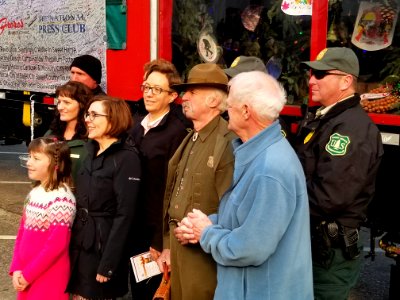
(340, 149)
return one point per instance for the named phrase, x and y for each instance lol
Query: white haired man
(260, 236)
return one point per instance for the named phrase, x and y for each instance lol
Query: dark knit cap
(89, 64)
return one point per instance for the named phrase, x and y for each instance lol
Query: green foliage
(391, 62)
(190, 17)
(289, 43)
(278, 35)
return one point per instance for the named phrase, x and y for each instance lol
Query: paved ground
(375, 276)
(11, 201)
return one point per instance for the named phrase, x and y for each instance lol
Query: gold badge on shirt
(210, 162)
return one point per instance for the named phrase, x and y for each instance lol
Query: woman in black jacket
(158, 134)
(106, 194)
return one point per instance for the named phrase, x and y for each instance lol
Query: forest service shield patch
(337, 144)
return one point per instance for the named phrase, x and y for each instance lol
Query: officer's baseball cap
(245, 64)
(336, 58)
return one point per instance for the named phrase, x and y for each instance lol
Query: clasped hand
(189, 230)
(19, 281)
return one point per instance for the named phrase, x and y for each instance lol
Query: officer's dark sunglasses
(321, 74)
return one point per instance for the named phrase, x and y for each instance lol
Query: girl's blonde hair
(60, 162)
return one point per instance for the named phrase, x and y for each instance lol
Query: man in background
(86, 69)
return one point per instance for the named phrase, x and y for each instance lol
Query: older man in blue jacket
(260, 237)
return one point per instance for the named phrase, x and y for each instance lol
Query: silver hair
(221, 96)
(263, 93)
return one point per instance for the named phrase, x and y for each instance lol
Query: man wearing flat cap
(198, 174)
(340, 149)
(86, 69)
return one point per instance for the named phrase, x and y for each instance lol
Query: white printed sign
(40, 38)
(297, 7)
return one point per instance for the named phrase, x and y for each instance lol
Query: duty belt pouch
(350, 239)
(321, 244)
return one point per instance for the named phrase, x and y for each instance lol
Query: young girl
(40, 266)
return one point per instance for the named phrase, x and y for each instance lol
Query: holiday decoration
(375, 25)
(331, 36)
(191, 18)
(297, 7)
(207, 47)
(251, 16)
(274, 67)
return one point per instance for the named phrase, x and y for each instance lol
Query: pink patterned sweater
(41, 247)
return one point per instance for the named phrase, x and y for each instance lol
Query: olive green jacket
(208, 174)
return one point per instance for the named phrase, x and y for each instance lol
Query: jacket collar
(124, 142)
(98, 91)
(342, 106)
(311, 123)
(246, 152)
(75, 143)
(209, 128)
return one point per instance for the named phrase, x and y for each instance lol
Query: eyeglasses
(321, 74)
(156, 90)
(93, 115)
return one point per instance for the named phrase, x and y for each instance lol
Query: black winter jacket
(340, 153)
(156, 148)
(107, 195)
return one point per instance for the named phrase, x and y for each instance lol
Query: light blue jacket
(260, 237)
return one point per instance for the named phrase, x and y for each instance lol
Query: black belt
(326, 235)
(87, 235)
(83, 213)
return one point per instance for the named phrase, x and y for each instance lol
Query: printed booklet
(144, 266)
